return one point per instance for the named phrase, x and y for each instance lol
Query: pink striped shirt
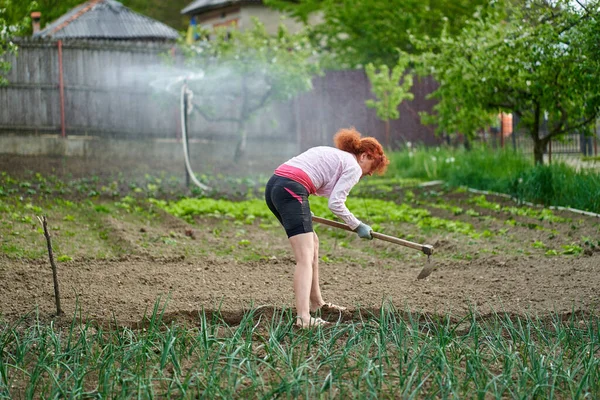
(332, 174)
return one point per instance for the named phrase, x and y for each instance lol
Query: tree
(539, 62)
(244, 72)
(358, 32)
(10, 27)
(388, 90)
(165, 11)
(51, 9)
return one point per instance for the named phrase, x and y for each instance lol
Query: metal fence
(515, 138)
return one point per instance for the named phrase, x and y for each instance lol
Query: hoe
(425, 248)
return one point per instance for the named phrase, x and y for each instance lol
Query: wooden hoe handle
(425, 248)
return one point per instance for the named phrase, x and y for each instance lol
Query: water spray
(167, 81)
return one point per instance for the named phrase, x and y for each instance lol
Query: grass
(79, 229)
(383, 354)
(503, 171)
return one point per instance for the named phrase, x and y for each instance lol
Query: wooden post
(52, 264)
(61, 89)
(550, 151)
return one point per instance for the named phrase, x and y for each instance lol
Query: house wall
(269, 17)
(226, 16)
(240, 17)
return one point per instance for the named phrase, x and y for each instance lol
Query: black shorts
(288, 200)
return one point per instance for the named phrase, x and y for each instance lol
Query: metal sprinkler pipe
(186, 108)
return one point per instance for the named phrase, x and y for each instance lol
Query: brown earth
(501, 273)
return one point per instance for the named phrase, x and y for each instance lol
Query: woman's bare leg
(303, 246)
(316, 299)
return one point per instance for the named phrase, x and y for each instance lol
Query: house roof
(106, 19)
(200, 6)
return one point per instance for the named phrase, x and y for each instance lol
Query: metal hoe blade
(427, 269)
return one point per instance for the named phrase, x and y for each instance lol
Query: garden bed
(118, 257)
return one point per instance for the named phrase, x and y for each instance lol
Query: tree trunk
(240, 149)
(387, 133)
(539, 147)
(539, 144)
(467, 143)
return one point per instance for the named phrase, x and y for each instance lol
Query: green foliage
(381, 187)
(16, 11)
(12, 24)
(543, 214)
(558, 185)
(244, 72)
(280, 65)
(536, 62)
(357, 32)
(385, 354)
(188, 208)
(388, 91)
(378, 211)
(165, 11)
(482, 168)
(502, 171)
(37, 186)
(572, 249)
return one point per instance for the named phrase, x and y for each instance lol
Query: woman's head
(367, 150)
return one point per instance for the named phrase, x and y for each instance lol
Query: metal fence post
(596, 138)
(515, 121)
(61, 89)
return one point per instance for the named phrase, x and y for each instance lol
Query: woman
(322, 171)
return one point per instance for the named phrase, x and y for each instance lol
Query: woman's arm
(337, 199)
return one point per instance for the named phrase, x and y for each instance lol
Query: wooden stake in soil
(53, 264)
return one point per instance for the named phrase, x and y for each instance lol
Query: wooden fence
(106, 93)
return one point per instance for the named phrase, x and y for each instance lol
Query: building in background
(106, 20)
(235, 14)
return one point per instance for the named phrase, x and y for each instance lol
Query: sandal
(332, 307)
(314, 322)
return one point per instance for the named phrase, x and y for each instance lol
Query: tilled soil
(124, 290)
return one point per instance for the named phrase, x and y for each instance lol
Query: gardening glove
(364, 231)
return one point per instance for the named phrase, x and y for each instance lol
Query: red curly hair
(350, 140)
